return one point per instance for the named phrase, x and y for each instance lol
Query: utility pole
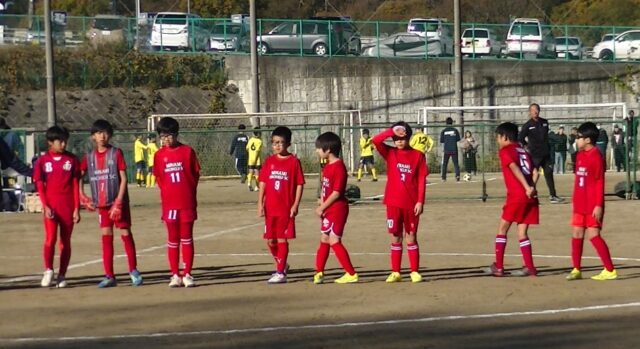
(457, 69)
(136, 45)
(51, 88)
(188, 6)
(255, 85)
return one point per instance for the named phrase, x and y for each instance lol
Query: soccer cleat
(108, 282)
(374, 180)
(606, 275)
(188, 281)
(176, 281)
(347, 279)
(278, 278)
(394, 277)
(524, 272)
(359, 180)
(61, 282)
(318, 278)
(575, 274)
(493, 270)
(415, 277)
(136, 278)
(47, 278)
(556, 200)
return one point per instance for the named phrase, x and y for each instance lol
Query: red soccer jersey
(177, 171)
(281, 177)
(101, 164)
(588, 189)
(334, 178)
(406, 173)
(513, 153)
(58, 174)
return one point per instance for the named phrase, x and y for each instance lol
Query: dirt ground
(233, 307)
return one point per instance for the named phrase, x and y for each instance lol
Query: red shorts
(179, 215)
(279, 227)
(397, 218)
(585, 221)
(63, 215)
(521, 212)
(334, 222)
(106, 222)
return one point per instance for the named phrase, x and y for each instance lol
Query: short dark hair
(256, 132)
(535, 105)
(449, 121)
(241, 127)
(509, 130)
(284, 132)
(3, 124)
(168, 125)
(57, 133)
(102, 125)
(589, 130)
(365, 131)
(329, 141)
(406, 127)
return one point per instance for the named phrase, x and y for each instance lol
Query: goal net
(211, 135)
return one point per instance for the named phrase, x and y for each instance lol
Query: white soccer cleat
(278, 278)
(61, 283)
(176, 281)
(188, 281)
(47, 278)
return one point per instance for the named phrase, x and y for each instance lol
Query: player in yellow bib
(421, 142)
(138, 157)
(366, 156)
(254, 151)
(152, 148)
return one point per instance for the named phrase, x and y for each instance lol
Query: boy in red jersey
(56, 174)
(588, 203)
(106, 169)
(333, 209)
(521, 206)
(281, 182)
(177, 172)
(404, 196)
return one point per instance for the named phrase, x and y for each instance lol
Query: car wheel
(606, 55)
(320, 49)
(263, 49)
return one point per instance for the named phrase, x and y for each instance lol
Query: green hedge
(23, 68)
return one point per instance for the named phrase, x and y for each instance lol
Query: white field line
(546, 312)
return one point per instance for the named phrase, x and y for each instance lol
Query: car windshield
(608, 37)
(567, 41)
(176, 19)
(228, 29)
(424, 26)
(475, 34)
(524, 29)
(108, 23)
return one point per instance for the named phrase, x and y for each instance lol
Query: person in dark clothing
(602, 143)
(469, 150)
(9, 159)
(560, 149)
(617, 142)
(573, 147)
(239, 152)
(449, 138)
(535, 136)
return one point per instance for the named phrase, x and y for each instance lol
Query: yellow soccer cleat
(318, 278)
(394, 277)
(606, 275)
(575, 274)
(347, 279)
(415, 277)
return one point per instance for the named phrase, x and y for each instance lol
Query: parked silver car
(405, 45)
(309, 36)
(569, 47)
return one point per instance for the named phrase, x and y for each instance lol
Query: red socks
(576, 252)
(281, 260)
(65, 249)
(501, 245)
(527, 253)
(50, 237)
(321, 257)
(603, 251)
(130, 250)
(396, 257)
(173, 254)
(414, 256)
(274, 250)
(343, 257)
(186, 240)
(107, 255)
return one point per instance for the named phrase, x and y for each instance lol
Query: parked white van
(530, 37)
(179, 31)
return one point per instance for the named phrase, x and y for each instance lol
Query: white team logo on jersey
(67, 166)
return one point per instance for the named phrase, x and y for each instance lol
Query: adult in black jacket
(535, 136)
(449, 138)
(239, 152)
(602, 143)
(8, 159)
(617, 142)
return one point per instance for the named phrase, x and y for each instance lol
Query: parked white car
(434, 29)
(179, 31)
(405, 45)
(530, 37)
(480, 42)
(569, 47)
(624, 46)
